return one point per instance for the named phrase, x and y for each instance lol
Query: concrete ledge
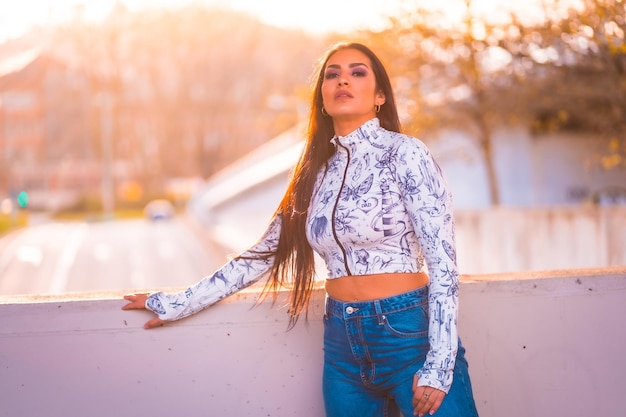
(539, 344)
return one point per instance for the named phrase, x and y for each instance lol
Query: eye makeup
(358, 69)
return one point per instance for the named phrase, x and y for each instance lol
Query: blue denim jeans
(372, 349)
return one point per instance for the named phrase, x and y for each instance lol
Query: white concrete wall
(510, 239)
(236, 205)
(494, 240)
(557, 168)
(540, 344)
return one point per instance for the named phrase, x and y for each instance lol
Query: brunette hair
(294, 261)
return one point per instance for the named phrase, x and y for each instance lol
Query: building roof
(18, 61)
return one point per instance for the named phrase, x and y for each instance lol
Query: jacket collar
(362, 133)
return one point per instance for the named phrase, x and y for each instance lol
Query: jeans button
(349, 310)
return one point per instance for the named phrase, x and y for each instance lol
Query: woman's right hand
(138, 302)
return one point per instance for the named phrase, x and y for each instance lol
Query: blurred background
(139, 141)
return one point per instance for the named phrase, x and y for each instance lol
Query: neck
(345, 125)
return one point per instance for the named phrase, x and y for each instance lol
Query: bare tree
(446, 77)
(188, 94)
(565, 71)
(572, 73)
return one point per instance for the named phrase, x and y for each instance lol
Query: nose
(342, 82)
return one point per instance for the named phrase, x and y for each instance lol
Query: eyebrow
(354, 64)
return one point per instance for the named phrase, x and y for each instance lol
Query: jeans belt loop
(379, 312)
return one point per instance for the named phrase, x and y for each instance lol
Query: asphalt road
(61, 258)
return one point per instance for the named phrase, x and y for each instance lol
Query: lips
(343, 94)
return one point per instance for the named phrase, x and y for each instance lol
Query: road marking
(29, 254)
(137, 279)
(9, 249)
(165, 249)
(102, 252)
(66, 260)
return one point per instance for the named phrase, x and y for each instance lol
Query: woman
(374, 205)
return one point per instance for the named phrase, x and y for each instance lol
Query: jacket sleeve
(240, 272)
(429, 203)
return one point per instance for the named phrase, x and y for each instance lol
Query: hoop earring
(377, 108)
(324, 112)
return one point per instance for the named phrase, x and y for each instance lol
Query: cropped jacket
(380, 205)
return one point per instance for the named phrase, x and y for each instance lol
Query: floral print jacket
(381, 205)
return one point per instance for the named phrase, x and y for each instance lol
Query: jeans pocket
(411, 322)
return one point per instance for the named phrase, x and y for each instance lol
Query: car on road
(612, 195)
(157, 210)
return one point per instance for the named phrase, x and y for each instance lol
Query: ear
(379, 99)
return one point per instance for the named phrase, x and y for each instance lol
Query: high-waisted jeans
(372, 350)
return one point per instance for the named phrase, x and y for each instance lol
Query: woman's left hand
(138, 302)
(426, 400)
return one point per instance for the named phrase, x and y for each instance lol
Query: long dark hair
(294, 261)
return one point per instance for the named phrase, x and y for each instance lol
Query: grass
(98, 215)
(9, 222)
(87, 209)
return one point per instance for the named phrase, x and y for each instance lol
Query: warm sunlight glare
(453, 11)
(315, 16)
(312, 16)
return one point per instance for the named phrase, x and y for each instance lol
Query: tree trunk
(486, 140)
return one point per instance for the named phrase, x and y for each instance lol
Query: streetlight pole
(106, 137)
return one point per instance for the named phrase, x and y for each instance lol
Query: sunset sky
(314, 16)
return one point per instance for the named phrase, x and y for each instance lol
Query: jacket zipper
(333, 221)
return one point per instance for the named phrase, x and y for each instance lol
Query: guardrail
(539, 344)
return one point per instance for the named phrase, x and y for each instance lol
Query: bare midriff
(375, 286)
